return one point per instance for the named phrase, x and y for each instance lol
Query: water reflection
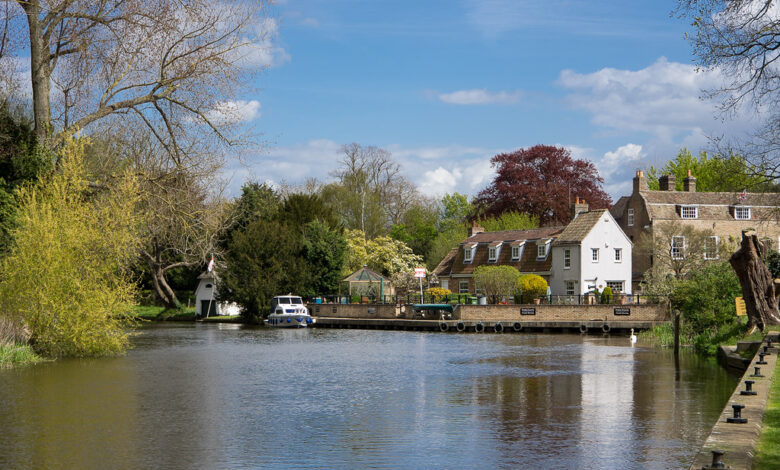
(208, 396)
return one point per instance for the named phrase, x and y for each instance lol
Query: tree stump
(758, 287)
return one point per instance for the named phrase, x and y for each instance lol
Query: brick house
(562, 255)
(726, 214)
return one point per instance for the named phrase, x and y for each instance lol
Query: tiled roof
(726, 199)
(445, 265)
(580, 227)
(513, 235)
(619, 207)
(365, 275)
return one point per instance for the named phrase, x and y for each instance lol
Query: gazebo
(367, 283)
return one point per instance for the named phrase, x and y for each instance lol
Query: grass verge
(768, 449)
(12, 355)
(155, 313)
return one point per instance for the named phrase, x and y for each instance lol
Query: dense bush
(606, 295)
(531, 286)
(494, 281)
(437, 294)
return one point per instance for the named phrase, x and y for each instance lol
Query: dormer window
(542, 248)
(468, 253)
(689, 212)
(517, 251)
(742, 212)
(493, 252)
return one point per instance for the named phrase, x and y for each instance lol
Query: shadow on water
(225, 396)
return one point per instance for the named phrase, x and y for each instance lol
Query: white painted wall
(606, 236)
(205, 293)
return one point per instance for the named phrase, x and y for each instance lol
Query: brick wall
(352, 310)
(561, 312)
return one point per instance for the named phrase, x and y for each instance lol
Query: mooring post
(677, 316)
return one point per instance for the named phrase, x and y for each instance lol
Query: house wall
(560, 275)
(606, 236)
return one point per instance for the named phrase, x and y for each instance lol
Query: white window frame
(461, 290)
(678, 252)
(571, 289)
(594, 255)
(516, 252)
(685, 212)
(631, 217)
(468, 253)
(707, 254)
(492, 253)
(743, 216)
(616, 286)
(618, 255)
(567, 258)
(542, 246)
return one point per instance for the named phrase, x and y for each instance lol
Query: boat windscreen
(284, 300)
(296, 300)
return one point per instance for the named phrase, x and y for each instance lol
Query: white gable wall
(606, 236)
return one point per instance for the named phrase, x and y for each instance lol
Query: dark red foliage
(541, 181)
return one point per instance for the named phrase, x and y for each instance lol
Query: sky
(446, 85)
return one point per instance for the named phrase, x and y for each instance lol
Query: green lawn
(155, 313)
(768, 448)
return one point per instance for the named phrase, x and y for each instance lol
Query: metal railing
(471, 299)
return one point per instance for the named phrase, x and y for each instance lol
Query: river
(196, 396)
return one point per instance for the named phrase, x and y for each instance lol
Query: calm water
(221, 396)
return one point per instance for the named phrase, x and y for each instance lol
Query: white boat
(288, 311)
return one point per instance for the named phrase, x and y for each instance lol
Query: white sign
(419, 272)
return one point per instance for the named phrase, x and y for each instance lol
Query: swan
(632, 337)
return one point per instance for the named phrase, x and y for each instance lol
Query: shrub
(437, 294)
(67, 277)
(531, 286)
(606, 295)
(495, 281)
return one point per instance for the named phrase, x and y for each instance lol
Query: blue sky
(445, 85)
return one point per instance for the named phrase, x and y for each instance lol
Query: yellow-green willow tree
(66, 278)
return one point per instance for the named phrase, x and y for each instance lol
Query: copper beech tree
(758, 288)
(541, 181)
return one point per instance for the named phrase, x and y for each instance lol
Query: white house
(206, 298)
(591, 252)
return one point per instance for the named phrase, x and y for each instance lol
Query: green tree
(729, 173)
(495, 281)
(454, 210)
(325, 251)
(510, 220)
(418, 228)
(67, 276)
(382, 254)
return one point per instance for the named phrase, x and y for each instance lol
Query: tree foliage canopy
(729, 173)
(67, 277)
(540, 181)
(494, 281)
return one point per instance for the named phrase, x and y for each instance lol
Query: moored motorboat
(288, 311)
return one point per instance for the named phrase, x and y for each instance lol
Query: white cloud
(614, 161)
(234, 111)
(662, 99)
(260, 50)
(469, 97)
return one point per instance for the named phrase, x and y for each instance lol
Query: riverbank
(185, 314)
(15, 355)
(768, 448)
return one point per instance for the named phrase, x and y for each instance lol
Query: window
(594, 255)
(570, 289)
(468, 254)
(616, 286)
(631, 217)
(492, 253)
(567, 259)
(689, 212)
(618, 255)
(678, 247)
(742, 213)
(515, 252)
(541, 249)
(711, 248)
(463, 287)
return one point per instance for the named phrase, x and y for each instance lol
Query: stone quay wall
(354, 310)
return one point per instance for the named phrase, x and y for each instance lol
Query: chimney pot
(689, 183)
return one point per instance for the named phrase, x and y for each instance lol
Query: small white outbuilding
(206, 298)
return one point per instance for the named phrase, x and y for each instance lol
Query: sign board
(741, 309)
(528, 311)
(622, 310)
(419, 272)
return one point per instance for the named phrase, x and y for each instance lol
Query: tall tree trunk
(161, 287)
(39, 69)
(758, 287)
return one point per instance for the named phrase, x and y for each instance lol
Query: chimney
(689, 183)
(640, 184)
(666, 182)
(475, 229)
(579, 206)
